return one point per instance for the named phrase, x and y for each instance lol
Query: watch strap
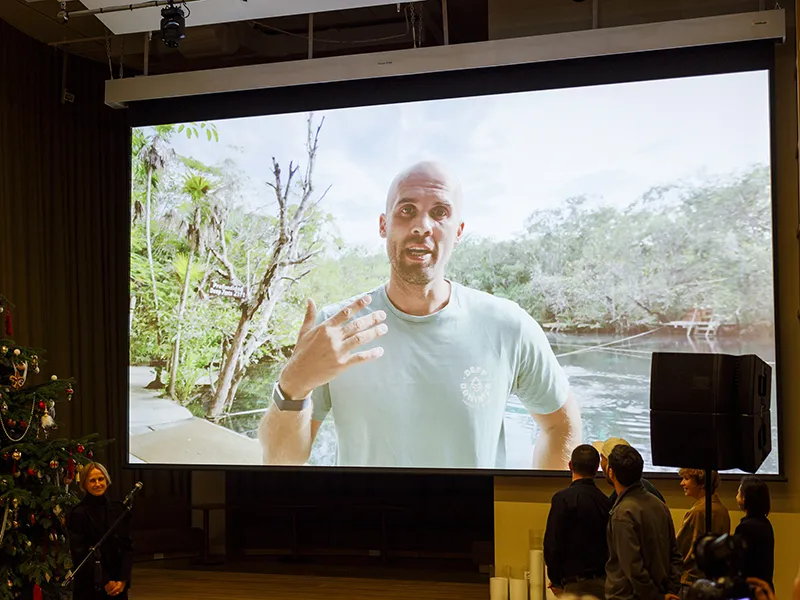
(284, 403)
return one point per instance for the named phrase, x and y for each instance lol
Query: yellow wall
(521, 504)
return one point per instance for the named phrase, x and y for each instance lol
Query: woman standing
(756, 530)
(694, 522)
(87, 523)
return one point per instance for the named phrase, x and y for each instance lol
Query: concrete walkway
(163, 432)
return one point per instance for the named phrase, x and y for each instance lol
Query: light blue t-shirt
(437, 396)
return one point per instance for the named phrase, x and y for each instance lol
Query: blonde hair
(699, 477)
(85, 471)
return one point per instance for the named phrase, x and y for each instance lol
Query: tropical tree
(199, 207)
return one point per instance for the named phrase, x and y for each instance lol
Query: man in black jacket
(644, 562)
(575, 546)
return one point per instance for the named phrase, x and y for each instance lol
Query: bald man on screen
(418, 372)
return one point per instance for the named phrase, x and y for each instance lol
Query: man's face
(421, 226)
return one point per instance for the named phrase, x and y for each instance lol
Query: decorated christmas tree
(37, 472)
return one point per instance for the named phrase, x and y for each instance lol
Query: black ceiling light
(173, 22)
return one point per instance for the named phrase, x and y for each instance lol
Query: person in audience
(756, 530)
(87, 522)
(605, 448)
(644, 562)
(575, 546)
(796, 591)
(418, 371)
(693, 526)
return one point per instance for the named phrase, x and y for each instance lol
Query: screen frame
(758, 55)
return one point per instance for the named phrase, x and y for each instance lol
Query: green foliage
(589, 267)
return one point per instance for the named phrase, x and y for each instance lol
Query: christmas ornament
(4, 408)
(41, 405)
(80, 448)
(20, 374)
(3, 349)
(54, 377)
(23, 424)
(5, 456)
(16, 455)
(48, 421)
(53, 464)
(17, 352)
(90, 454)
(31, 471)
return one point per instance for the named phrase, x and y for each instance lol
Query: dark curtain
(64, 213)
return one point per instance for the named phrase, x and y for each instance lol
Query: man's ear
(460, 233)
(569, 464)
(382, 226)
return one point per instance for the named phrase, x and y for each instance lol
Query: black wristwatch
(284, 403)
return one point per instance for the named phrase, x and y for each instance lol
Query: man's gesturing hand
(325, 351)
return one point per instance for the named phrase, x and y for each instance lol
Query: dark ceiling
(258, 41)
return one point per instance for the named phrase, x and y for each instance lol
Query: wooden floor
(167, 584)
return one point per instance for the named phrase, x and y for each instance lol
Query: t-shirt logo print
(475, 389)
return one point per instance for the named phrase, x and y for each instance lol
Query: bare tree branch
(297, 279)
(229, 272)
(300, 261)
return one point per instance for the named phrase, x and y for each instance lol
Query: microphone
(136, 489)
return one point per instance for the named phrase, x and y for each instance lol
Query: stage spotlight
(173, 22)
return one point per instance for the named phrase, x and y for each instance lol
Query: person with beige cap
(605, 448)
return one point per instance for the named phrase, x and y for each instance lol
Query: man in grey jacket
(644, 563)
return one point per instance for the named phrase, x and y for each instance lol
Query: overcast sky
(515, 153)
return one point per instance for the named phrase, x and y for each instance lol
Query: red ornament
(31, 471)
(69, 390)
(33, 519)
(80, 448)
(90, 454)
(23, 424)
(10, 422)
(41, 405)
(5, 456)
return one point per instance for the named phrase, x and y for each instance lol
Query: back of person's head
(756, 496)
(585, 460)
(627, 465)
(699, 477)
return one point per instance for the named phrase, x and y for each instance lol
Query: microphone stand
(94, 551)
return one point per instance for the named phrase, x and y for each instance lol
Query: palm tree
(198, 209)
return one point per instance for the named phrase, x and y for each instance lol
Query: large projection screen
(601, 223)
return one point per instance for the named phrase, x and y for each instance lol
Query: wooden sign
(228, 291)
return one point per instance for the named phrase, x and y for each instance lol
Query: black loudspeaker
(710, 411)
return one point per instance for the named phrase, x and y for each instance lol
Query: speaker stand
(709, 495)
